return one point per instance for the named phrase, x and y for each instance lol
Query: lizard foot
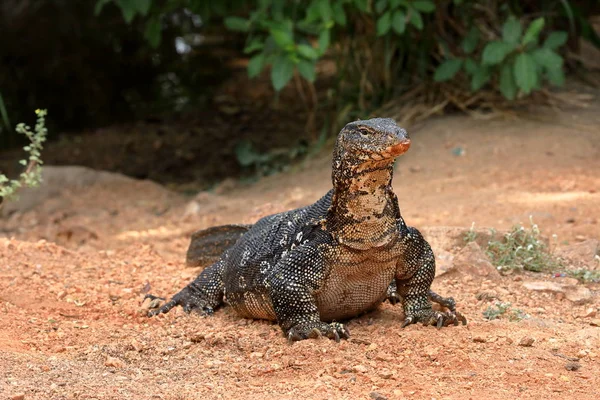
(432, 317)
(313, 330)
(186, 299)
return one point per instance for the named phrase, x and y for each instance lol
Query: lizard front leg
(414, 275)
(291, 286)
(203, 295)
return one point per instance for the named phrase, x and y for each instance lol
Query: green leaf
(153, 32)
(128, 9)
(469, 43)
(256, 65)
(312, 13)
(324, 9)
(362, 5)
(495, 52)
(237, 24)
(255, 44)
(547, 58)
(307, 70)
(416, 19)
(556, 39)
(426, 6)
(470, 66)
(446, 70)
(324, 39)
(532, 33)
(525, 72)
(399, 22)
(339, 15)
(307, 51)
(143, 6)
(384, 24)
(284, 39)
(556, 76)
(508, 87)
(282, 71)
(480, 77)
(512, 30)
(100, 5)
(380, 6)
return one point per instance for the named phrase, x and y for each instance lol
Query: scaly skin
(333, 260)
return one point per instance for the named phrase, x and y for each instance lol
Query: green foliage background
(95, 62)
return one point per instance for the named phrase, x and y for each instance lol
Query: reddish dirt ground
(74, 268)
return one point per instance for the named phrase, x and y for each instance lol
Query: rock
(473, 261)
(359, 368)
(377, 396)
(56, 179)
(545, 286)
(576, 294)
(526, 341)
(443, 262)
(581, 253)
(385, 373)
(579, 295)
(113, 362)
(18, 396)
(479, 339)
(572, 366)
(589, 313)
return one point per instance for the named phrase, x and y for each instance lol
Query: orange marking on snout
(399, 148)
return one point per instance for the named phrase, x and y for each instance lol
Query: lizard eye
(364, 134)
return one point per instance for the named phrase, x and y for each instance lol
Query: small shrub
(522, 249)
(32, 175)
(584, 275)
(504, 310)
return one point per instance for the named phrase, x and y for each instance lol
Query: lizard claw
(407, 322)
(186, 299)
(333, 330)
(436, 318)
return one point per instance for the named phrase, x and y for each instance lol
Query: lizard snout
(400, 143)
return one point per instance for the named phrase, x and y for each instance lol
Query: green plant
(471, 235)
(382, 49)
(516, 61)
(32, 175)
(584, 275)
(501, 309)
(522, 248)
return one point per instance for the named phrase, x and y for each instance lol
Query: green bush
(380, 46)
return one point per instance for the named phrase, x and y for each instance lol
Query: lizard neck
(363, 207)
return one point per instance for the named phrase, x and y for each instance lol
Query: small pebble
(526, 341)
(20, 396)
(113, 362)
(377, 396)
(359, 368)
(572, 366)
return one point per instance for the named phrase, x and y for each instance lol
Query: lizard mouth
(398, 149)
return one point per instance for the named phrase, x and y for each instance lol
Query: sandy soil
(74, 268)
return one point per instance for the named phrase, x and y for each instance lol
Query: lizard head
(373, 140)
